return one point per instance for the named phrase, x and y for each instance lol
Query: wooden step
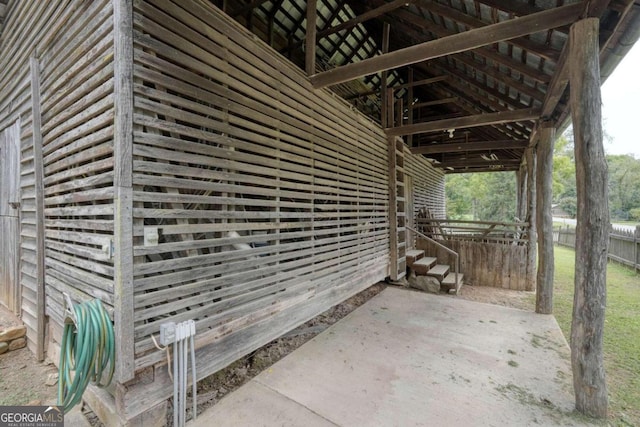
(413, 256)
(449, 282)
(423, 265)
(439, 271)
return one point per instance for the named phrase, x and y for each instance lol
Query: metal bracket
(69, 314)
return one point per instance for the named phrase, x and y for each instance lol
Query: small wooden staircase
(428, 266)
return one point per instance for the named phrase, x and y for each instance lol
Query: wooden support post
(122, 183)
(544, 219)
(393, 209)
(593, 227)
(38, 169)
(410, 105)
(310, 42)
(531, 217)
(383, 78)
(522, 192)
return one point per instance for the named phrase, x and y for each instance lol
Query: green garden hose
(88, 349)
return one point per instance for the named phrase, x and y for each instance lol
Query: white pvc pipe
(194, 392)
(175, 383)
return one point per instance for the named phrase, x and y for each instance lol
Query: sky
(620, 95)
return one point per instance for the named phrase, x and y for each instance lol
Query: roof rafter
(543, 51)
(481, 95)
(456, 43)
(485, 51)
(371, 14)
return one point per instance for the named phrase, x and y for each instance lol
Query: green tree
(624, 185)
(487, 196)
(564, 174)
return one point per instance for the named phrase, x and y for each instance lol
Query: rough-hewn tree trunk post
(521, 178)
(531, 217)
(544, 219)
(592, 231)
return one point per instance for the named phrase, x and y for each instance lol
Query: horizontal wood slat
(258, 189)
(77, 159)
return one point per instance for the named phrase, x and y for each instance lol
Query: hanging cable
(87, 349)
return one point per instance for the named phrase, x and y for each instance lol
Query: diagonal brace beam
(460, 42)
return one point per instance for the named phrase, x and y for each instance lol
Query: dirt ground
(22, 378)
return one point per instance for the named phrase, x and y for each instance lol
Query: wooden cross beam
(421, 82)
(477, 163)
(456, 43)
(479, 170)
(507, 144)
(435, 102)
(465, 122)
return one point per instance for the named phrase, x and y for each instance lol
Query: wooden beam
(310, 46)
(371, 14)
(123, 189)
(410, 99)
(595, 8)
(479, 170)
(544, 219)
(465, 122)
(521, 180)
(362, 95)
(530, 155)
(248, 8)
(487, 52)
(384, 92)
(593, 227)
(435, 102)
(456, 43)
(38, 168)
(494, 73)
(477, 163)
(507, 144)
(469, 21)
(421, 82)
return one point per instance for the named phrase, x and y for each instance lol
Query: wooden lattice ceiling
(491, 83)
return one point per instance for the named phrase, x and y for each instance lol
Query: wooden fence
(624, 245)
(491, 253)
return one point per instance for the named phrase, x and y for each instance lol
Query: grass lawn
(621, 332)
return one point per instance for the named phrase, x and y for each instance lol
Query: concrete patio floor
(412, 359)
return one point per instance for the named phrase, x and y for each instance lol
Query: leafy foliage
(492, 196)
(624, 181)
(487, 196)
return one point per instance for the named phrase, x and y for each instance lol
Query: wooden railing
(456, 256)
(511, 233)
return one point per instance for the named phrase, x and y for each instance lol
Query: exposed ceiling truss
(470, 79)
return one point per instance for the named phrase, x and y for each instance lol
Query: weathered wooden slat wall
(9, 216)
(428, 183)
(76, 88)
(484, 264)
(262, 192)
(27, 25)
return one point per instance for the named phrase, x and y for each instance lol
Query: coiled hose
(88, 349)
